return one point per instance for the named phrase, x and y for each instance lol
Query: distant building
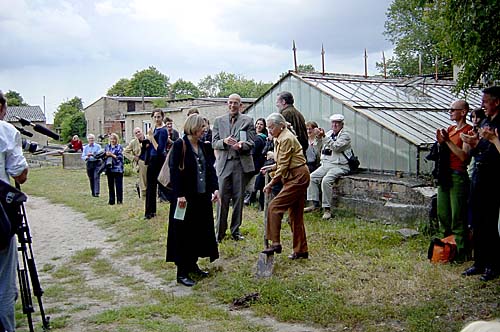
(34, 114)
(123, 114)
(392, 121)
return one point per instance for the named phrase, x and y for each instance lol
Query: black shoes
(473, 270)
(186, 281)
(200, 273)
(489, 274)
(237, 237)
(149, 216)
(297, 255)
(275, 248)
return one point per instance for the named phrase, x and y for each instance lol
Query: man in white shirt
(12, 164)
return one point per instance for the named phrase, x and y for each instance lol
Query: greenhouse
(392, 121)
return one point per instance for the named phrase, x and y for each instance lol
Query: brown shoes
(297, 255)
(274, 248)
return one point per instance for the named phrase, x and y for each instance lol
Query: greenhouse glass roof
(411, 108)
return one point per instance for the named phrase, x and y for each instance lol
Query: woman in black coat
(195, 187)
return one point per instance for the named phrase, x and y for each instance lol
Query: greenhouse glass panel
(403, 157)
(374, 152)
(388, 151)
(315, 104)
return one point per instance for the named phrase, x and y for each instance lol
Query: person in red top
(75, 145)
(452, 194)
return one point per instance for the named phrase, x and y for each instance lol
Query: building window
(130, 106)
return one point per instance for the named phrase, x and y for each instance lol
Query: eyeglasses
(455, 109)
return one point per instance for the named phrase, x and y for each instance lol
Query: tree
(184, 89)
(120, 88)
(302, 69)
(66, 110)
(415, 28)
(224, 84)
(472, 34)
(150, 83)
(73, 124)
(14, 98)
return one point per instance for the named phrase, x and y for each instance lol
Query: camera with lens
(29, 146)
(327, 152)
(107, 161)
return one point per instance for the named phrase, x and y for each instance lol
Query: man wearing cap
(334, 164)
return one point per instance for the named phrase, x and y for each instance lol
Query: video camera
(31, 146)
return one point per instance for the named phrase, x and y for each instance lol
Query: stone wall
(384, 198)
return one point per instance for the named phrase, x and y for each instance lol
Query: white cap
(337, 117)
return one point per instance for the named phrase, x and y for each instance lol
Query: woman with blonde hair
(191, 234)
(114, 169)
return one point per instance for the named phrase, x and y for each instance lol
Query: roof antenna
(366, 64)
(419, 64)
(385, 64)
(436, 64)
(323, 59)
(295, 57)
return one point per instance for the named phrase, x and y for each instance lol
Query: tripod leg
(25, 293)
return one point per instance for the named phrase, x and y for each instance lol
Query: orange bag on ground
(442, 250)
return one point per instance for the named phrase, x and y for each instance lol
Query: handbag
(352, 161)
(164, 175)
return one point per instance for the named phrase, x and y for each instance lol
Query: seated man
(335, 143)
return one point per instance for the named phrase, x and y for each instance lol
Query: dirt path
(59, 232)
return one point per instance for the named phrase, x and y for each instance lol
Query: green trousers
(452, 209)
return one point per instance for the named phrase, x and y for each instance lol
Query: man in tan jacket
(135, 153)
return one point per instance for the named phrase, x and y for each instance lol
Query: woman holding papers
(191, 224)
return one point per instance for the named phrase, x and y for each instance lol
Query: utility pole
(366, 64)
(323, 59)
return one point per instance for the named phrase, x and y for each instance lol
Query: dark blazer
(184, 183)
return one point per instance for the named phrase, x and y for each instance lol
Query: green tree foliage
(184, 89)
(73, 124)
(415, 28)
(302, 69)
(306, 68)
(472, 33)
(224, 84)
(150, 83)
(160, 103)
(66, 110)
(120, 89)
(14, 98)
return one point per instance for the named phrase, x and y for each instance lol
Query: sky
(59, 49)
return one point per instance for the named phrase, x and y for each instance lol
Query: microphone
(24, 132)
(38, 128)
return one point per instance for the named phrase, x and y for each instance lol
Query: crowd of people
(466, 171)
(302, 162)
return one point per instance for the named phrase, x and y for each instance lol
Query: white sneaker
(327, 215)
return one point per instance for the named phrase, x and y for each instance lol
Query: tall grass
(361, 276)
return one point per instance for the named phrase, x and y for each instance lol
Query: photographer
(93, 164)
(13, 164)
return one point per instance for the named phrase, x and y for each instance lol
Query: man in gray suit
(233, 136)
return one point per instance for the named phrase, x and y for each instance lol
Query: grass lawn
(361, 276)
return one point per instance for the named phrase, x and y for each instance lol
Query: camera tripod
(12, 200)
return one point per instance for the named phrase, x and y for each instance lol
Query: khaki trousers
(291, 199)
(143, 177)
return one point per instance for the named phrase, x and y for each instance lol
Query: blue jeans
(8, 290)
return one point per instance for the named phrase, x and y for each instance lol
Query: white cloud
(63, 48)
